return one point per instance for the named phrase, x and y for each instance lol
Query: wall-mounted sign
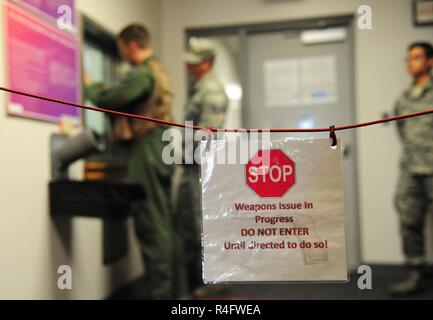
(41, 60)
(423, 12)
(300, 82)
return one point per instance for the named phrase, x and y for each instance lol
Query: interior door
(291, 83)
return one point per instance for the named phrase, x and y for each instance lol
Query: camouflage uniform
(147, 91)
(415, 187)
(207, 106)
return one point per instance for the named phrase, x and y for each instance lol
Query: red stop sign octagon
(270, 173)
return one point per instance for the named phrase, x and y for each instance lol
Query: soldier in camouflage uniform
(415, 188)
(146, 91)
(207, 106)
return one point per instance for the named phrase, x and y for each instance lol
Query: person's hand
(87, 80)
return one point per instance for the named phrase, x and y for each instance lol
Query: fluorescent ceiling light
(323, 36)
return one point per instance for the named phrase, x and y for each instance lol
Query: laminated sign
(278, 216)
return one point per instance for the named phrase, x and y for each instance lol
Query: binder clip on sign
(277, 217)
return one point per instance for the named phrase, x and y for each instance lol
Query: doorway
(297, 74)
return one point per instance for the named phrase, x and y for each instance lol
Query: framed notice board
(44, 60)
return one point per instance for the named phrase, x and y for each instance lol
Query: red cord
(174, 124)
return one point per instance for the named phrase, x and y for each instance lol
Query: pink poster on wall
(42, 60)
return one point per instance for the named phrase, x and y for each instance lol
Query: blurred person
(207, 106)
(147, 91)
(415, 187)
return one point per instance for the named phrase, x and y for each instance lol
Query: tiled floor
(383, 276)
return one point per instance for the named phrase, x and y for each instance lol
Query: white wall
(380, 77)
(31, 247)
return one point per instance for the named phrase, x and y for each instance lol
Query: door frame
(244, 30)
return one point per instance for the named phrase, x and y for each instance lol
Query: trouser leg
(189, 211)
(155, 239)
(153, 216)
(411, 201)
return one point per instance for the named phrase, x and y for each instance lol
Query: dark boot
(211, 292)
(414, 283)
